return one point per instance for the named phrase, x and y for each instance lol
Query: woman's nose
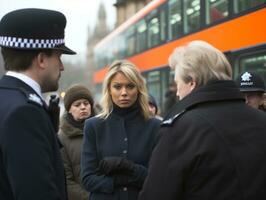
(124, 91)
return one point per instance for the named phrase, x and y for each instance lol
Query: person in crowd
(214, 145)
(78, 103)
(153, 107)
(252, 86)
(32, 41)
(119, 141)
(170, 98)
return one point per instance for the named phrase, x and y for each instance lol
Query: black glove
(120, 180)
(54, 111)
(116, 165)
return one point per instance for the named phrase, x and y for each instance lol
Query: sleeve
(91, 178)
(28, 152)
(173, 160)
(137, 179)
(74, 189)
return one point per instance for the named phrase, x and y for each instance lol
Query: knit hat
(77, 92)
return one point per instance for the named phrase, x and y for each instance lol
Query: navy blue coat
(30, 162)
(212, 148)
(126, 134)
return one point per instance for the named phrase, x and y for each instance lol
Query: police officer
(32, 42)
(253, 88)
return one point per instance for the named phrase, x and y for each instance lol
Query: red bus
(236, 27)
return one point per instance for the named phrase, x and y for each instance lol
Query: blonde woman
(214, 144)
(119, 141)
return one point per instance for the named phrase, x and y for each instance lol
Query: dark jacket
(126, 134)
(214, 147)
(71, 136)
(30, 161)
(170, 101)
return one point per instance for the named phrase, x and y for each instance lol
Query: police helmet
(250, 82)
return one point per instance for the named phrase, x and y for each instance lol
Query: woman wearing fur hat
(78, 103)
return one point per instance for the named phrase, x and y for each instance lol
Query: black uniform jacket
(30, 163)
(212, 148)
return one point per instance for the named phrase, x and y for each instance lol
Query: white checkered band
(26, 43)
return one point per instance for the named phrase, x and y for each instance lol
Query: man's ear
(41, 60)
(192, 84)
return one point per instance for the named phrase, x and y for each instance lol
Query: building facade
(127, 8)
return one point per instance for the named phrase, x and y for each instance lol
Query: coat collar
(26, 79)
(11, 82)
(68, 128)
(213, 91)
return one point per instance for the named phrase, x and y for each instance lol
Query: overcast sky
(80, 15)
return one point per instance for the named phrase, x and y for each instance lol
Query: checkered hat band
(26, 43)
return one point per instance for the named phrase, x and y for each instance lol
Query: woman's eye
(86, 103)
(117, 87)
(130, 86)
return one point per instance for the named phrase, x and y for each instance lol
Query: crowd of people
(211, 143)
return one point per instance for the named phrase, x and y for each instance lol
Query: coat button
(124, 188)
(125, 139)
(125, 151)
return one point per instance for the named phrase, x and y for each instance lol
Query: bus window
(130, 38)
(163, 25)
(153, 32)
(242, 5)
(216, 10)
(154, 85)
(255, 62)
(141, 36)
(191, 15)
(121, 45)
(175, 19)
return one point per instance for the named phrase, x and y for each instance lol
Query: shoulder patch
(170, 121)
(33, 98)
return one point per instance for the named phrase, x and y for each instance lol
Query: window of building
(191, 15)
(216, 10)
(242, 5)
(175, 19)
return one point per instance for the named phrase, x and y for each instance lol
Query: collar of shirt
(29, 81)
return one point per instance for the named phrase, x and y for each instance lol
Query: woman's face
(80, 109)
(123, 92)
(183, 89)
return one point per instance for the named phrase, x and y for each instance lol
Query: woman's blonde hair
(130, 71)
(201, 62)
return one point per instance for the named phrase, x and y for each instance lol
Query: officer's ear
(42, 60)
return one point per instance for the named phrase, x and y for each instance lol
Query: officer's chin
(50, 87)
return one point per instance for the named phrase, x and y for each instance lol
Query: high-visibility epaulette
(171, 120)
(32, 97)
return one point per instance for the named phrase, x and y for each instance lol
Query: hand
(112, 165)
(120, 180)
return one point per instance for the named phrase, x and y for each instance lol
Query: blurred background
(146, 32)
